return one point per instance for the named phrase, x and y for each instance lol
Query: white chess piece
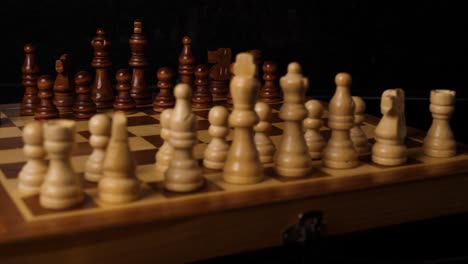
(216, 151)
(99, 127)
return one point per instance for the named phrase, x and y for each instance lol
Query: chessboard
(365, 191)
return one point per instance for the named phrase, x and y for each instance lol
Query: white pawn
(33, 172)
(359, 138)
(62, 187)
(265, 147)
(389, 148)
(119, 183)
(216, 151)
(164, 154)
(312, 124)
(99, 127)
(439, 141)
(183, 174)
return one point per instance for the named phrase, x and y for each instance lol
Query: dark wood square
(275, 118)
(155, 140)
(143, 157)
(275, 131)
(5, 122)
(11, 112)
(208, 186)
(11, 170)
(11, 143)
(86, 134)
(82, 149)
(202, 113)
(32, 202)
(141, 120)
(203, 124)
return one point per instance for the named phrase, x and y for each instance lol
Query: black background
(417, 46)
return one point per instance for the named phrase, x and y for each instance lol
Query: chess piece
(242, 164)
(339, 152)
(265, 147)
(229, 96)
(219, 73)
(292, 157)
(164, 154)
(312, 124)
(439, 141)
(359, 138)
(183, 174)
(62, 187)
(186, 62)
(84, 107)
(123, 101)
(102, 93)
(63, 87)
(389, 148)
(30, 73)
(46, 108)
(100, 129)
(119, 183)
(216, 151)
(201, 99)
(33, 172)
(138, 61)
(270, 92)
(165, 98)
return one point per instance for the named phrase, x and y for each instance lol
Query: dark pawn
(229, 96)
(201, 98)
(165, 98)
(84, 107)
(123, 101)
(219, 72)
(30, 73)
(101, 93)
(270, 92)
(138, 47)
(186, 62)
(46, 108)
(64, 94)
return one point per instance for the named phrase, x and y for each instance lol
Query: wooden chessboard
(243, 217)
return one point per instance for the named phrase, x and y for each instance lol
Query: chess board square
(276, 106)
(81, 149)
(155, 140)
(202, 113)
(275, 131)
(203, 124)
(138, 143)
(143, 157)
(145, 130)
(85, 183)
(11, 170)
(6, 122)
(208, 186)
(147, 110)
(11, 112)
(12, 156)
(270, 171)
(275, 118)
(411, 143)
(86, 134)
(8, 132)
(32, 203)
(10, 143)
(141, 120)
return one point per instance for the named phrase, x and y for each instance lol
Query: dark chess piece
(64, 94)
(186, 62)
(231, 75)
(165, 98)
(30, 73)
(84, 107)
(46, 108)
(270, 92)
(123, 101)
(138, 46)
(257, 56)
(201, 98)
(102, 93)
(219, 72)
